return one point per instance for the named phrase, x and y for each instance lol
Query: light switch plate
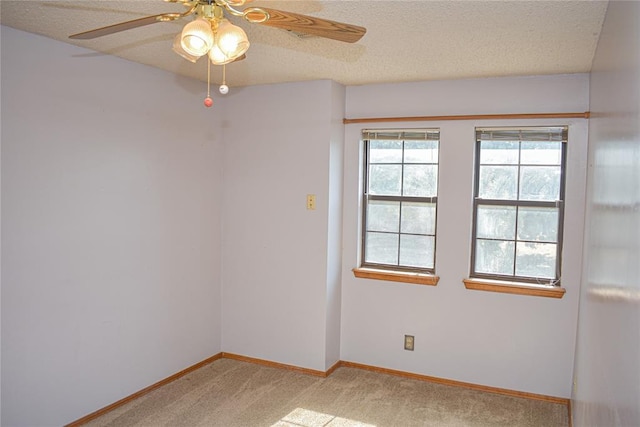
(311, 202)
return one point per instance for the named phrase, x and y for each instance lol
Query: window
(518, 204)
(400, 197)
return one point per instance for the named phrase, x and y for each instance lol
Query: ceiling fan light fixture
(231, 40)
(197, 37)
(210, 33)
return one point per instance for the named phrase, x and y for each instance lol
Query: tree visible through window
(400, 196)
(518, 205)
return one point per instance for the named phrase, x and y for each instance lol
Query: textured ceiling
(405, 40)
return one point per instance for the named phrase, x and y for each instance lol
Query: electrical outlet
(408, 342)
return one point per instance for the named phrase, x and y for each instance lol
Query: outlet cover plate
(408, 342)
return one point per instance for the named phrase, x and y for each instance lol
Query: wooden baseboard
(322, 374)
(142, 392)
(333, 368)
(271, 364)
(444, 381)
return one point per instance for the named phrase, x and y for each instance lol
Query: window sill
(396, 276)
(514, 288)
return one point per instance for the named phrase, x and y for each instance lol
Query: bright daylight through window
(400, 196)
(518, 204)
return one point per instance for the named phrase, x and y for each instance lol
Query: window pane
(499, 152)
(385, 151)
(494, 257)
(538, 224)
(401, 180)
(385, 179)
(536, 260)
(496, 222)
(383, 216)
(540, 183)
(421, 152)
(541, 153)
(498, 182)
(416, 251)
(420, 180)
(418, 218)
(382, 248)
(517, 229)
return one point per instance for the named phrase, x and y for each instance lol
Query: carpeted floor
(230, 393)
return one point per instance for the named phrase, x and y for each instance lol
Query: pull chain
(208, 102)
(224, 89)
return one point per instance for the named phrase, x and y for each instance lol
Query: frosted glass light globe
(197, 37)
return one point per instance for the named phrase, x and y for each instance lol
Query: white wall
(607, 369)
(278, 291)
(510, 341)
(125, 259)
(110, 229)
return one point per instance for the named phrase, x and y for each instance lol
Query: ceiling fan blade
(307, 25)
(116, 28)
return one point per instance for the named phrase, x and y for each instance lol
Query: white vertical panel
(607, 370)
(277, 150)
(334, 246)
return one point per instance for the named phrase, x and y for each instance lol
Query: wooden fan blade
(116, 28)
(309, 25)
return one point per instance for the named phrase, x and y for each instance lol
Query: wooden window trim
(397, 276)
(514, 288)
(584, 115)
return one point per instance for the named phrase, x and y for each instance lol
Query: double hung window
(400, 197)
(519, 204)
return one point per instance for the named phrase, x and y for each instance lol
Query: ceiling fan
(210, 33)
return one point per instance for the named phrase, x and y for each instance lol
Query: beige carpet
(230, 393)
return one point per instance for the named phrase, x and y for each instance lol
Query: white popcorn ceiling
(405, 40)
